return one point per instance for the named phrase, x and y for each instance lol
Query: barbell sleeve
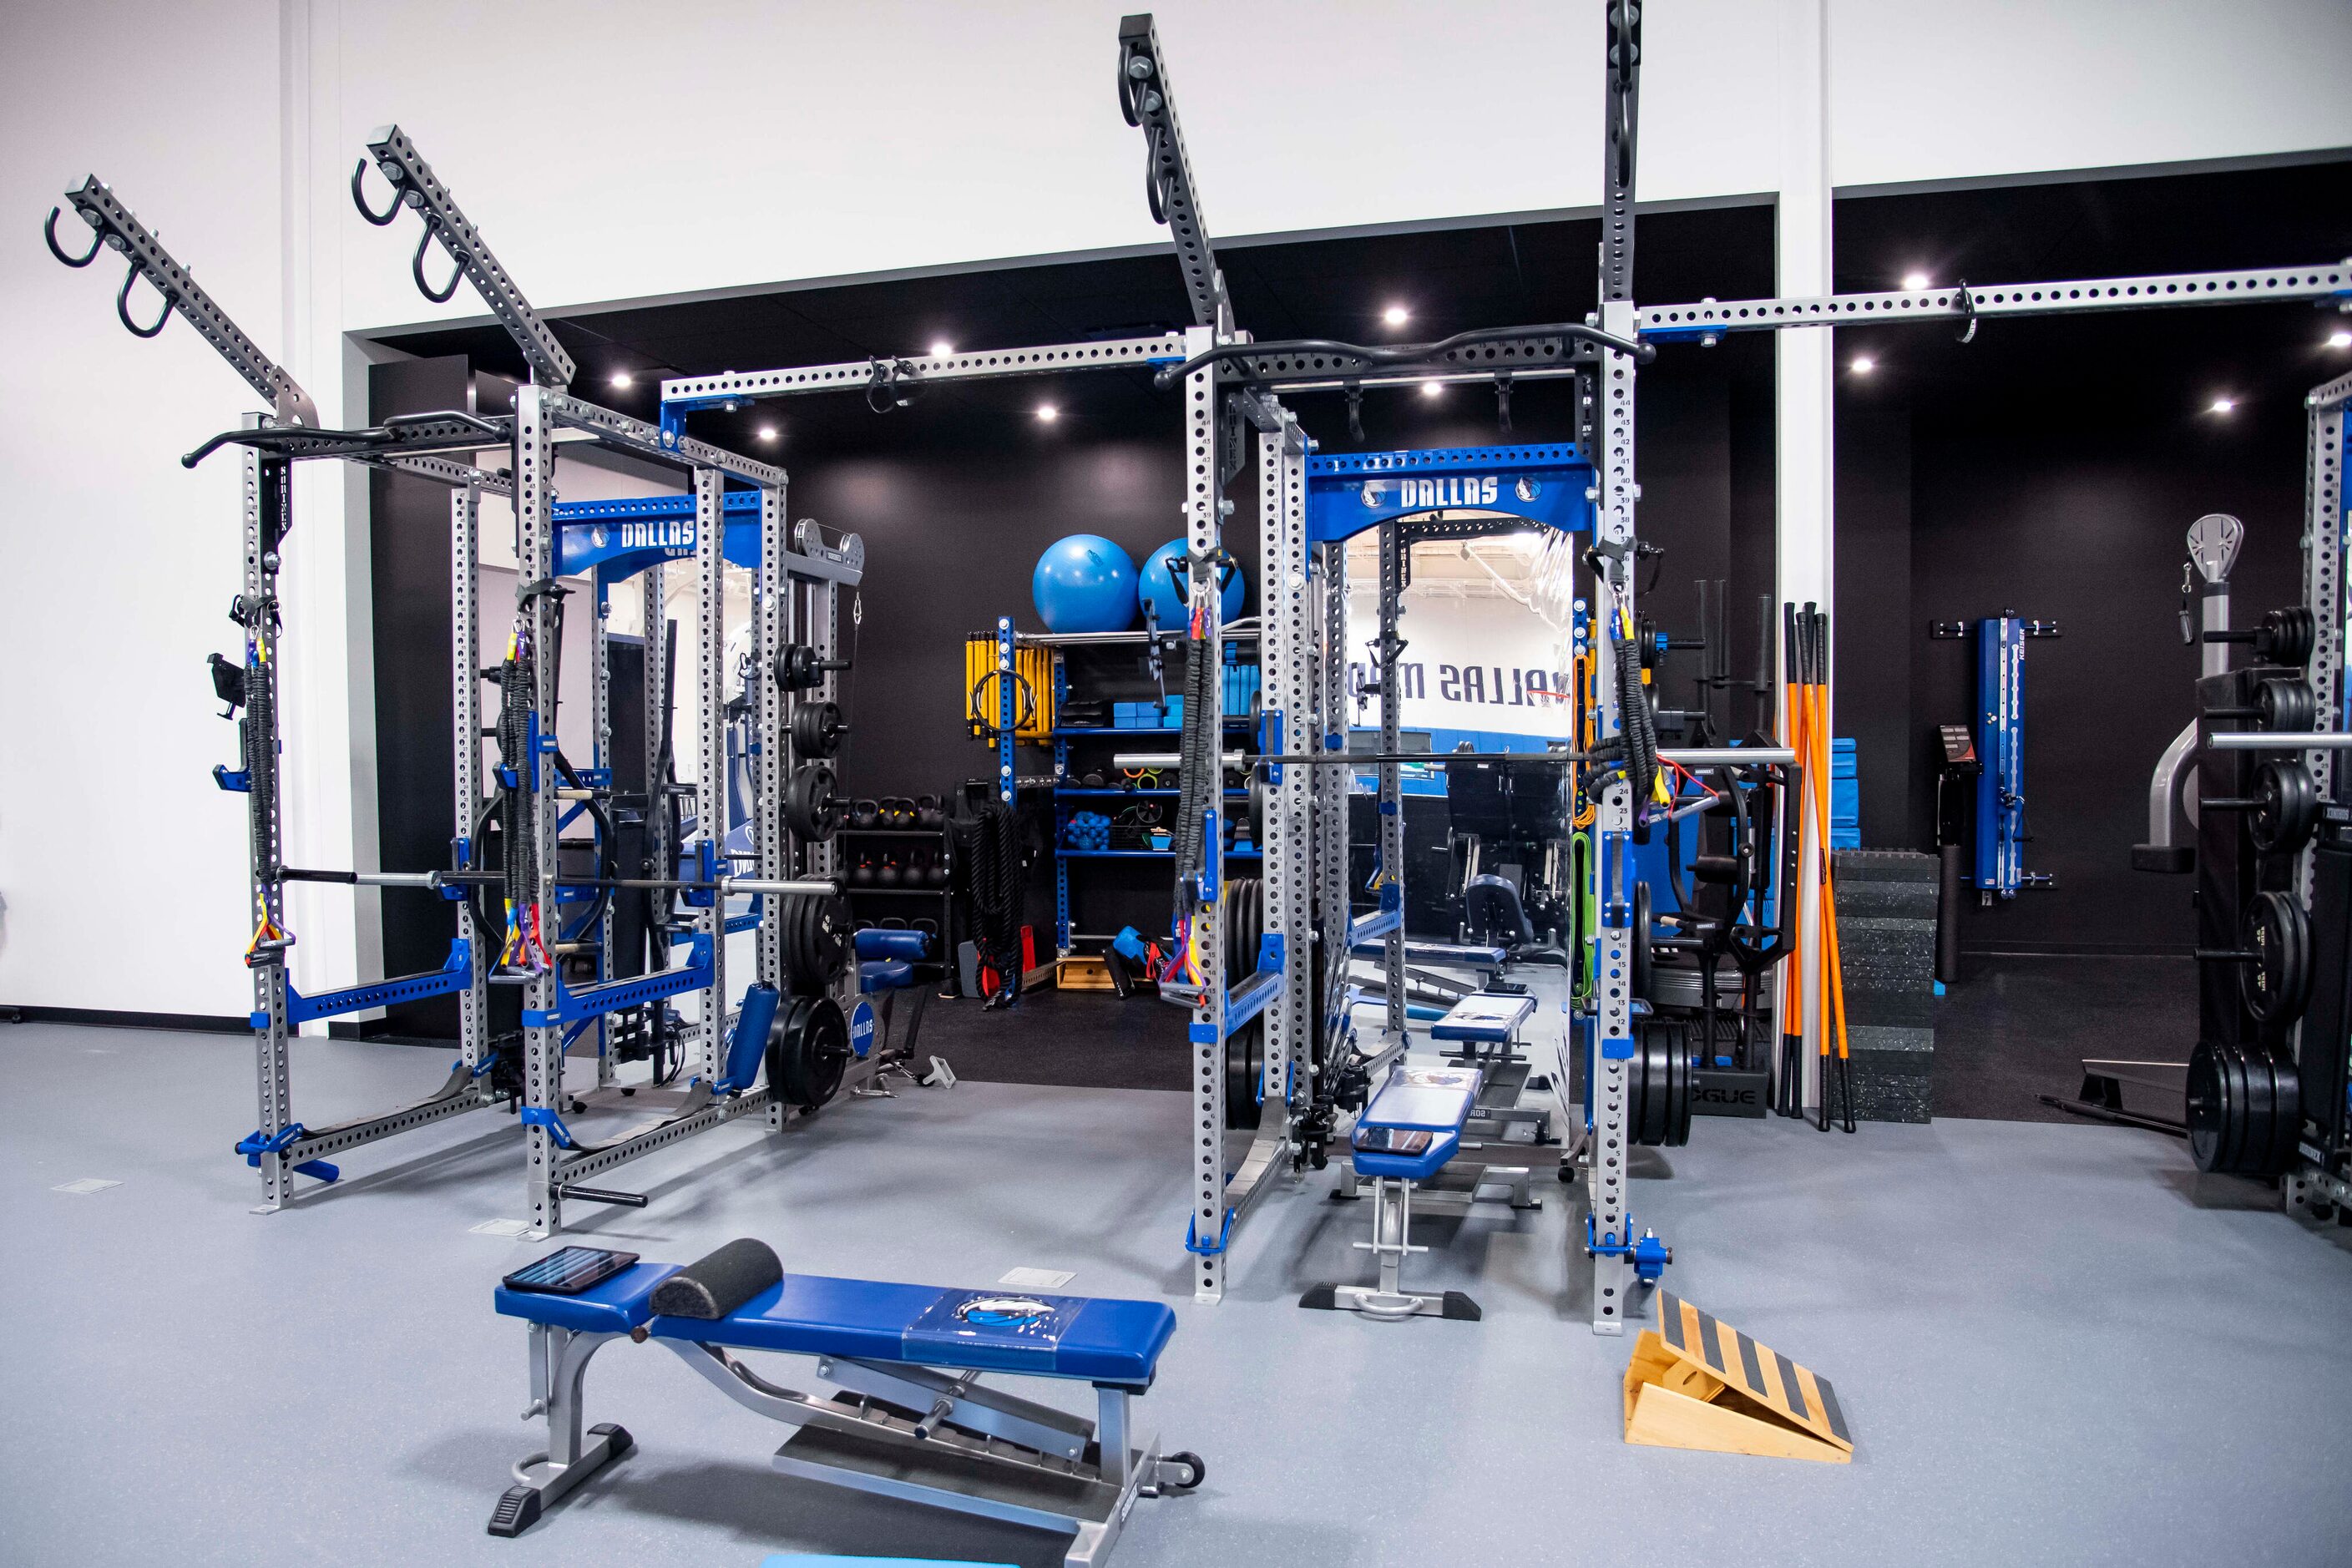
(2283, 740)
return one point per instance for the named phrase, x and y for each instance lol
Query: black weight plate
(2287, 806)
(1642, 923)
(1649, 1064)
(1678, 1109)
(2277, 984)
(814, 1052)
(1244, 1067)
(2265, 1111)
(2206, 1109)
(2284, 704)
(816, 729)
(783, 1038)
(2287, 1119)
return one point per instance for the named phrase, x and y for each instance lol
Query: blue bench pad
(1484, 1017)
(1102, 1341)
(885, 975)
(1408, 1167)
(1437, 1100)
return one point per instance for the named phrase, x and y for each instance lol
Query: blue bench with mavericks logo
(910, 1418)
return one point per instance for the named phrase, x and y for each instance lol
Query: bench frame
(905, 1431)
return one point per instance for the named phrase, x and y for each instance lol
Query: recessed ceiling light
(1863, 364)
(2223, 404)
(767, 432)
(942, 349)
(2339, 339)
(1916, 280)
(1431, 388)
(622, 381)
(1396, 315)
(1047, 414)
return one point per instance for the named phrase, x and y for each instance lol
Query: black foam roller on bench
(715, 1285)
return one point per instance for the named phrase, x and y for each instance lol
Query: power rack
(795, 643)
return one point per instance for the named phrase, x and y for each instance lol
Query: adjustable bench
(1406, 1134)
(910, 1419)
(1484, 1030)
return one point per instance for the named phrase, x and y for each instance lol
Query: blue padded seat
(885, 974)
(1484, 1017)
(875, 942)
(1436, 1101)
(1100, 1340)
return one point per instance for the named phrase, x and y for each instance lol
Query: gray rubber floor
(2053, 1343)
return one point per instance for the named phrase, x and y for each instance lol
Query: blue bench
(1408, 1131)
(889, 961)
(911, 1419)
(1483, 1019)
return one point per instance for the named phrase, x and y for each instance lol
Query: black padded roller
(714, 1286)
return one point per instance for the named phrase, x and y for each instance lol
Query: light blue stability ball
(1084, 583)
(1158, 587)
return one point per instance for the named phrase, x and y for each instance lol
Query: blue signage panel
(1350, 491)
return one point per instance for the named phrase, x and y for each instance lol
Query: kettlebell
(936, 873)
(864, 870)
(865, 813)
(928, 813)
(887, 874)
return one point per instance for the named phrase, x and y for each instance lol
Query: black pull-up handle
(49, 233)
(358, 199)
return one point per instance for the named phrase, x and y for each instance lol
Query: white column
(1804, 453)
(326, 750)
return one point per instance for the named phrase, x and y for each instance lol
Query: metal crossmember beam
(120, 231)
(1147, 101)
(397, 160)
(1962, 301)
(634, 436)
(685, 393)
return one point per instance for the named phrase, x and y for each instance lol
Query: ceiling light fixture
(1431, 388)
(767, 432)
(2223, 404)
(942, 349)
(1396, 315)
(622, 381)
(1047, 414)
(1916, 281)
(1863, 364)
(2339, 339)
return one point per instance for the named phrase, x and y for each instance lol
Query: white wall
(612, 150)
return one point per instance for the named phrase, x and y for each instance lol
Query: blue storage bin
(1845, 796)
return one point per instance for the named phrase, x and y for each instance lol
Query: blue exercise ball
(1084, 583)
(1156, 586)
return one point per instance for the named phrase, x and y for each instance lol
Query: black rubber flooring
(1079, 1039)
(2015, 1027)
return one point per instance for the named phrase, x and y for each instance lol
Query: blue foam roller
(750, 1042)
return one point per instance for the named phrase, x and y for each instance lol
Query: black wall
(408, 559)
(2051, 468)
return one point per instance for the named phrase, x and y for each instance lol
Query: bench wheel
(1195, 1472)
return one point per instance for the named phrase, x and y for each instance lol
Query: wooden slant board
(1083, 971)
(1698, 1383)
